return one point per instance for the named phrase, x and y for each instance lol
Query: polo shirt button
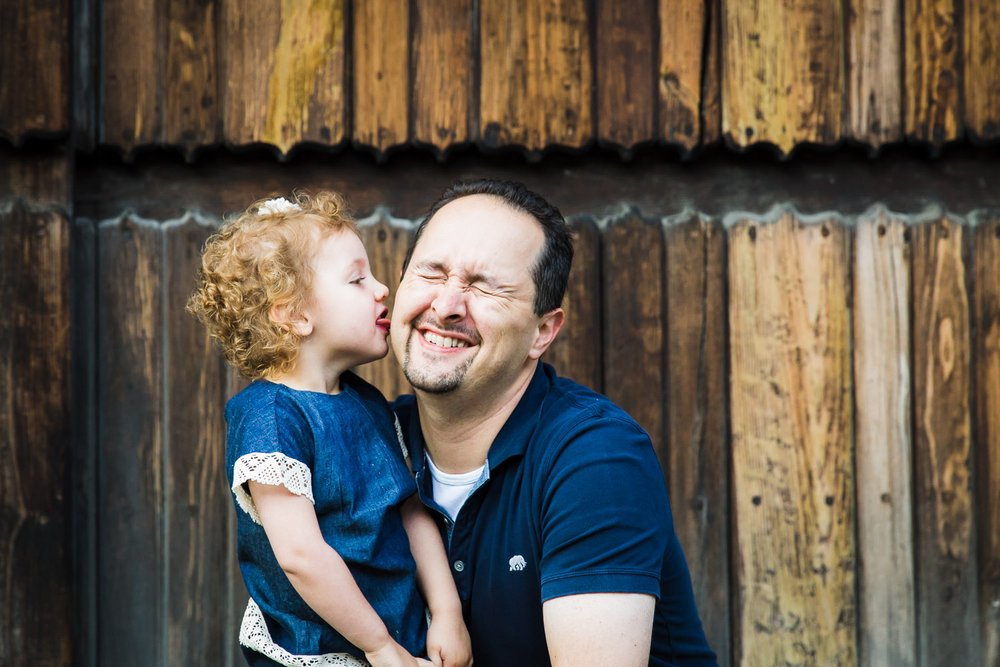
(459, 566)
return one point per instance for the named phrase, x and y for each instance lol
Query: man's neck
(459, 428)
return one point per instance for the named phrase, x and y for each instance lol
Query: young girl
(331, 539)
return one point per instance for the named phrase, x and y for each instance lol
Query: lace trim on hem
(272, 468)
(399, 436)
(256, 637)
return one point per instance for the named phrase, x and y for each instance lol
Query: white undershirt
(452, 489)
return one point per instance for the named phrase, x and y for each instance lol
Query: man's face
(463, 316)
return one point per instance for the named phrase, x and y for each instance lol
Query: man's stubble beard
(443, 384)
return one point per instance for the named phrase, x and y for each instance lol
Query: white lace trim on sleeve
(399, 436)
(272, 468)
(256, 637)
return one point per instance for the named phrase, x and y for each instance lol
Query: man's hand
(448, 643)
(599, 629)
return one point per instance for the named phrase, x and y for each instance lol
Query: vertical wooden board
(381, 73)
(35, 68)
(131, 81)
(191, 81)
(196, 493)
(130, 477)
(386, 240)
(535, 81)
(874, 59)
(442, 72)
(711, 93)
(882, 373)
(576, 352)
(932, 77)
(632, 268)
(792, 444)
(947, 614)
(282, 65)
(782, 72)
(36, 604)
(681, 70)
(626, 100)
(696, 416)
(986, 353)
(981, 69)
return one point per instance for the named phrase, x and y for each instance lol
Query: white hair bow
(276, 206)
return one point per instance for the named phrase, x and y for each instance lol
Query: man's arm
(599, 629)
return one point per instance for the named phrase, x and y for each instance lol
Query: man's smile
(442, 341)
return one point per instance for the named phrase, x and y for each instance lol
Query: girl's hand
(391, 654)
(448, 643)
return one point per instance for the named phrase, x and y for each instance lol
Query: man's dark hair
(551, 272)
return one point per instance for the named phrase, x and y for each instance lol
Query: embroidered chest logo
(517, 563)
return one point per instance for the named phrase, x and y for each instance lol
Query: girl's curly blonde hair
(255, 262)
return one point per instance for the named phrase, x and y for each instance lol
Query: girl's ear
(296, 321)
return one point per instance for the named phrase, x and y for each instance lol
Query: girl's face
(346, 304)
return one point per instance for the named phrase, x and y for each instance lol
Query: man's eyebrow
(479, 277)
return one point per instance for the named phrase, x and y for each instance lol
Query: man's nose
(449, 302)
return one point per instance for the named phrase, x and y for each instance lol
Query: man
(553, 505)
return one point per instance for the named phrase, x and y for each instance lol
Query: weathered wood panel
(882, 372)
(36, 603)
(381, 73)
(196, 496)
(711, 89)
(283, 72)
(986, 356)
(386, 241)
(681, 70)
(34, 53)
(792, 443)
(130, 440)
(633, 322)
(947, 613)
(626, 39)
(781, 85)
(41, 177)
(874, 59)
(981, 69)
(576, 352)
(131, 47)
(191, 76)
(697, 431)
(536, 77)
(932, 61)
(442, 72)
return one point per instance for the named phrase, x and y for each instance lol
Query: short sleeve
(605, 518)
(270, 443)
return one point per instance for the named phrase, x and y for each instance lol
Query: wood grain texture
(792, 444)
(442, 72)
(282, 65)
(882, 372)
(386, 241)
(780, 85)
(981, 69)
(196, 495)
(633, 297)
(874, 58)
(191, 76)
(35, 68)
(130, 495)
(947, 611)
(36, 603)
(381, 59)
(576, 351)
(711, 89)
(131, 86)
(986, 353)
(697, 430)
(535, 74)
(626, 102)
(681, 70)
(931, 67)
(40, 177)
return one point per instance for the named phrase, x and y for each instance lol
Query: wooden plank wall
(384, 74)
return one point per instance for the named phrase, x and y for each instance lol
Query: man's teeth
(443, 341)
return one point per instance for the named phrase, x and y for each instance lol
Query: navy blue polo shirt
(572, 501)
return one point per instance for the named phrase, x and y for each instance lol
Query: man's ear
(296, 321)
(548, 326)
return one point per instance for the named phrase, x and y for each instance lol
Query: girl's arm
(448, 642)
(320, 576)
